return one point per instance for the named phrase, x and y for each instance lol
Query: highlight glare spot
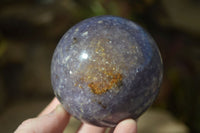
(84, 56)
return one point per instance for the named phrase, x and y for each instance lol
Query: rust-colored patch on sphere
(111, 80)
(100, 74)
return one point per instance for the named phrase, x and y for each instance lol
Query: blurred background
(30, 31)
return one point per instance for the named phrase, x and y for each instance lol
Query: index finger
(50, 107)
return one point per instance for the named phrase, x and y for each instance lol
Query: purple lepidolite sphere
(106, 69)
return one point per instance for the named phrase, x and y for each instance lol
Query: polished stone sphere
(106, 69)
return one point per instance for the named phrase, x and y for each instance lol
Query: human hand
(54, 119)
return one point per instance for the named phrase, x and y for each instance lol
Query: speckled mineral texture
(106, 69)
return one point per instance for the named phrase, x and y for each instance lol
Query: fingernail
(59, 109)
(129, 121)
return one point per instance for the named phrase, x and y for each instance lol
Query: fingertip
(88, 128)
(128, 122)
(59, 111)
(50, 107)
(126, 126)
(55, 121)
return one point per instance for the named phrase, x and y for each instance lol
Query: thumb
(55, 121)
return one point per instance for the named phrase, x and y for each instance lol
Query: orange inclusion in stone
(99, 87)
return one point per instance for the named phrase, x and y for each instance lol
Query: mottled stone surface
(106, 69)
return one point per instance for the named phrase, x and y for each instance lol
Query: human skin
(54, 119)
